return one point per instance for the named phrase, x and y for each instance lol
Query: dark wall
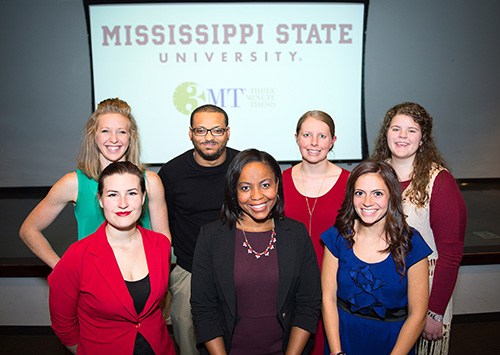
(45, 89)
(443, 55)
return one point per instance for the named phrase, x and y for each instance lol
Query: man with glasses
(194, 191)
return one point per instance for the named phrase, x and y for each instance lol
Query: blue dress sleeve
(419, 249)
(333, 241)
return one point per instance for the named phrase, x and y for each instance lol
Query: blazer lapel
(107, 267)
(286, 260)
(154, 260)
(224, 264)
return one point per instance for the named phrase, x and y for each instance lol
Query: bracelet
(340, 353)
(435, 317)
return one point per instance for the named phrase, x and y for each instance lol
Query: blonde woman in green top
(110, 135)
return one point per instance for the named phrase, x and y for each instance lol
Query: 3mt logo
(187, 97)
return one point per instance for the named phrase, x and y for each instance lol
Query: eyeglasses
(202, 131)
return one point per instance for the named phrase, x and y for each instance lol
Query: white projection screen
(265, 63)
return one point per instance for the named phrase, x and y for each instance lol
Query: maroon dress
(258, 331)
(325, 211)
(323, 217)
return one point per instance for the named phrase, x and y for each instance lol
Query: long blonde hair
(87, 159)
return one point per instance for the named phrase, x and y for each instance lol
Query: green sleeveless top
(88, 212)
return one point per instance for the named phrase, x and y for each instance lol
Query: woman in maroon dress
(314, 189)
(255, 285)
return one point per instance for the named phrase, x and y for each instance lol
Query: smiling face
(210, 150)
(112, 138)
(257, 193)
(371, 199)
(314, 140)
(122, 200)
(404, 137)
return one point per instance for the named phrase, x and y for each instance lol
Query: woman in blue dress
(375, 272)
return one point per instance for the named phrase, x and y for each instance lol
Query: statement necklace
(270, 246)
(309, 209)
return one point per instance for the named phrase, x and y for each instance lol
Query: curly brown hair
(398, 232)
(427, 157)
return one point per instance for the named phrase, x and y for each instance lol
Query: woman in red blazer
(105, 290)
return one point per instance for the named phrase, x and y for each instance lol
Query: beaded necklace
(270, 246)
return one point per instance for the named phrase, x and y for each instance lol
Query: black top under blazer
(213, 297)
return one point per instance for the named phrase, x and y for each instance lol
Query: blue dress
(368, 293)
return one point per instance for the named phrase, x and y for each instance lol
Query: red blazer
(91, 305)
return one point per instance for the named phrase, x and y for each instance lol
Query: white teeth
(367, 211)
(113, 148)
(258, 206)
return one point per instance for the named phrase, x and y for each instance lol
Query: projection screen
(264, 63)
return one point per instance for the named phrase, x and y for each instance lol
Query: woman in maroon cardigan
(105, 290)
(433, 205)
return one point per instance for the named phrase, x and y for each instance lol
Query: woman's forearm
(331, 325)
(216, 346)
(39, 245)
(297, 342)
(329, 303)
(408, 335)
(418, 290)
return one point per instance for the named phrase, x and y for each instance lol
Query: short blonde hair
(87, 159)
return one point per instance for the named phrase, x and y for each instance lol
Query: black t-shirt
(194, 196)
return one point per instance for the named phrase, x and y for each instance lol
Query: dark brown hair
(121, 168)
(398, 232)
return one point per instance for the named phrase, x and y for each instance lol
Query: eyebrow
(107, 127)
(260, 182)
(382, 189)
(396, 125)
(217, 126)
(132, 189)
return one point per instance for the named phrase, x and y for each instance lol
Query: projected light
(264, 63)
